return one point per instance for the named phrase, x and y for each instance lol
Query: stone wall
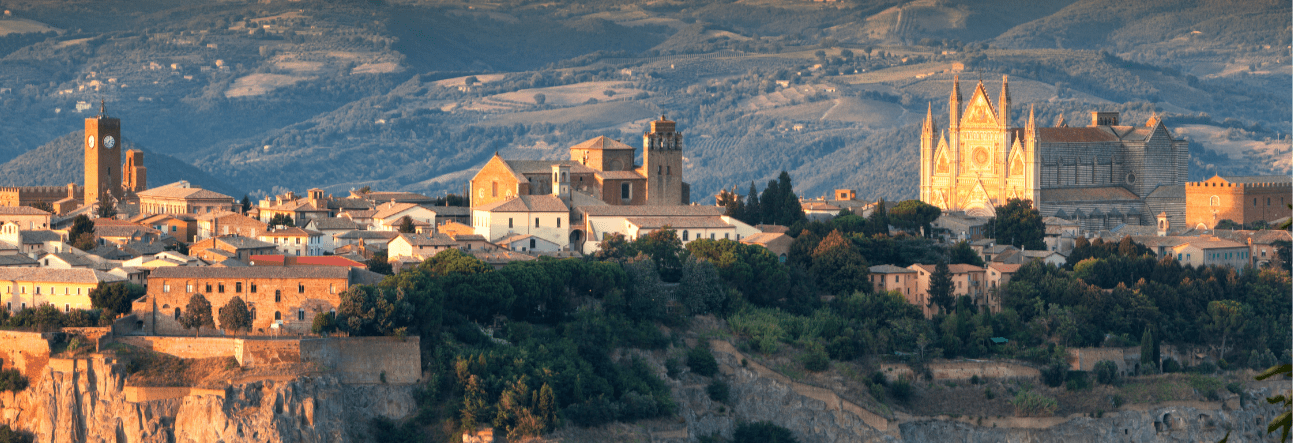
(1084, 359)
(184, 347)
(28, 352)
(962, 370)
(257, 352)
(367, 360)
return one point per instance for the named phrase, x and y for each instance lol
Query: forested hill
(62, 161)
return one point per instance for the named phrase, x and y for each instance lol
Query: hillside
(412, 95)
(61, 161)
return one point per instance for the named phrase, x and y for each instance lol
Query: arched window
(494, 189)
(278, 316)
(684, 235)
(177, 313)
(1214, 201)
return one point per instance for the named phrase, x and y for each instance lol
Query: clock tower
(102, 157)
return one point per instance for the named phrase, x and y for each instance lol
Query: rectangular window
(188, 287)
(253, 287)
(332, 289)
(165, 287)
(237, 287)
(300, 314)
(536, 222)
(300, 288)
(67, 308)
(38, 290)
(558, 222)
(220, 287)
(509, 222)
(208, 288)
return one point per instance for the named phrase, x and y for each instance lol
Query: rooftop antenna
(103, 109)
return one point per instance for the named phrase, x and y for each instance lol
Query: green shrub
(1235, 387)
(1118, 401)
(11, 436)
(701, 361)
(672, 368)
(877, 391)
(988, 394)
(1033, 404)
(1077, 380)
(1106, 372)
(1055, 374)
(974, 379)
(12, 380)
(900, 390)
(762, 432)
(815, 359)
(1170, 365)
(718, 391)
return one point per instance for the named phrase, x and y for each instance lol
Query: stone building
(1242, 200)
(183, 198)
(601, 167)
(29, 195)
(281, 298)
(1100, 176)
(65, 289)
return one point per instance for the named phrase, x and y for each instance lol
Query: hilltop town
(669, 221)
(177, 293)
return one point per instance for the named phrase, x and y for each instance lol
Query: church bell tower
(662, 163)
(102, 157)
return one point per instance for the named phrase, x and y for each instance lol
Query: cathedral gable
(942, 164)
(1016, 160)
(980, 111)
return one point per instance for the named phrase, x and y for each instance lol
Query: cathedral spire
(954, 102)
(929, 119)
(1004, 103)
(1032, 120)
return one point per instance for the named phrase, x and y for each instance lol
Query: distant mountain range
(410, 95)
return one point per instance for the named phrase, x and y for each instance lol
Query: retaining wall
(184, 347)
(28, 352)
(364, 359)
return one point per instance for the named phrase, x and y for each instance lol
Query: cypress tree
(753, 210)
(1147, 351)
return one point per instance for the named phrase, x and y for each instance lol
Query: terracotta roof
(121, 231)
(1262, 237)
(332, 223)
(955, 269)
(243, 242)
(467, 237)
(32, 237)
(290, 232)
(601, 142)
(679, 222)
(1102, 194)
(619, 175)
(50, 275)
(819, 206)
(1004, 268)
(1167, 191)
(427, 240)
(527, 203)
(652, 211)
(890, 269)
(21, 210)
(447, 211)
(312, 260)
(280, 272)
(772, 228)
(17, 260)
(397, 196)
(367, 235)
(388, 209)
(176, 190)
(763, 238)
(1214, 243)
(453, 227)
(544, 167)
(1076, 135)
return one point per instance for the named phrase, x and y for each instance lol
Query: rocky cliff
(88, 400)
(818, 415)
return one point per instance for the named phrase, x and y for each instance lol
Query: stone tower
(662, 163)
(136, 175)
(102, 157)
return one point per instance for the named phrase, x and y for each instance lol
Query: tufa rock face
(83, 400)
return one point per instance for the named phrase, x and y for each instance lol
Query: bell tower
(102, 157)
(662, 163)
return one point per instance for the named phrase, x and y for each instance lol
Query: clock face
(89, 141)
(109, 142)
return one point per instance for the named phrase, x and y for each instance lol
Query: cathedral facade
(1101, 176)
